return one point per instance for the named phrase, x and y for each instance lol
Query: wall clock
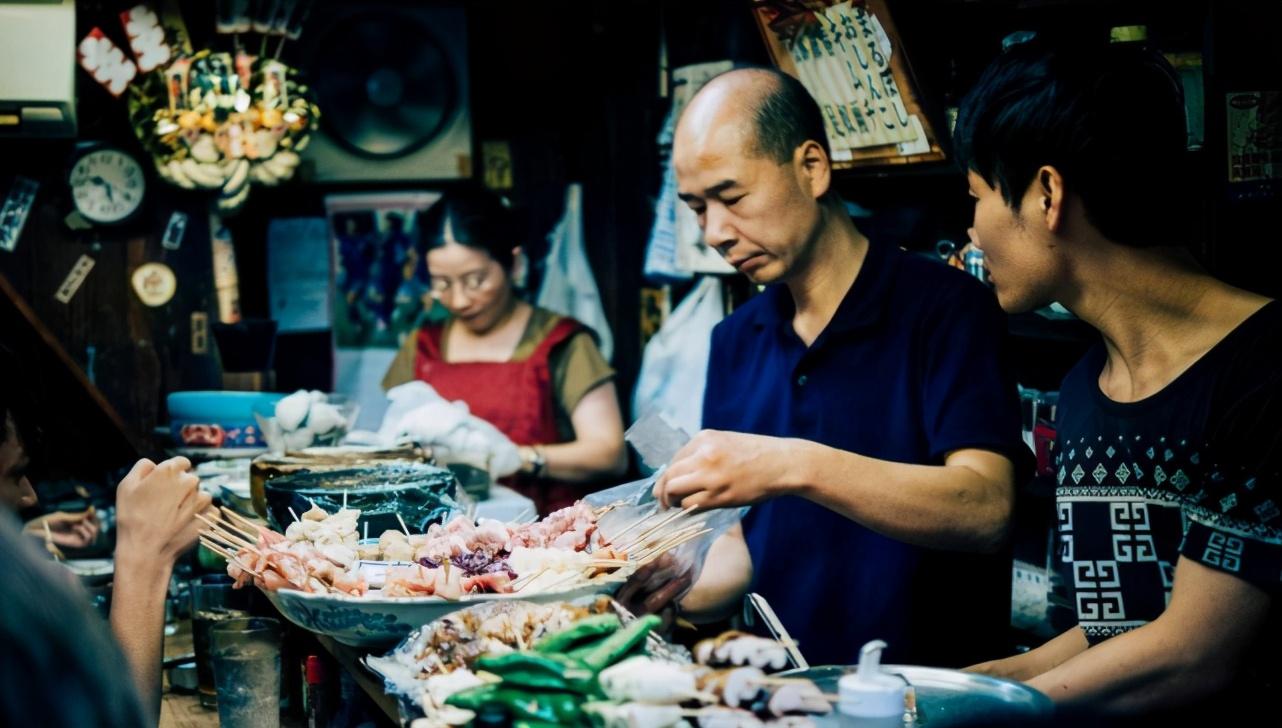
(107, 185)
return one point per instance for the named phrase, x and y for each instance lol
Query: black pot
(419, 494)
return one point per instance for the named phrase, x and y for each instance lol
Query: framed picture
(849, 56)
(380, 280)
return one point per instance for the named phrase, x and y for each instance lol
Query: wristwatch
(533, 461)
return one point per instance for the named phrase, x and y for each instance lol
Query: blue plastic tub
(218, 418)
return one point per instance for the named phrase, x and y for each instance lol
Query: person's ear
(814, 168)
(520, 268)
(1050, 196)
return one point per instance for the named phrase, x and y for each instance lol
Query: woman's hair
(473, 217)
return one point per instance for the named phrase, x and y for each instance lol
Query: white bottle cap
(868, 692)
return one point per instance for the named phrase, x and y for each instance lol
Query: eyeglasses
(473, 282)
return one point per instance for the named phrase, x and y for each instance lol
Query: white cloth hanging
(569, 287)
(674, 367)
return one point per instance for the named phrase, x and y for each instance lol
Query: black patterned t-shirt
(1190, 471)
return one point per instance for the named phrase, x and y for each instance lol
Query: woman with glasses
(536, 376)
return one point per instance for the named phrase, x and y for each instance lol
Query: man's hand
(67, 530)
(156, 507)
(656, 587)
(727, 469)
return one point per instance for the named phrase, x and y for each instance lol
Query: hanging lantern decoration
(213, 120)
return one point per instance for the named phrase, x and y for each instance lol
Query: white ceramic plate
(91, 570)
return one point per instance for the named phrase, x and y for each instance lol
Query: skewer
(233, 515)
(669, 545)
(233, 540)
(292, 513)
(524, 581)
(225, 526)
(226, 554)
(50, 546)
(657, 537)
(229, 540)
(228, 529)
(216, 548)
(616, 537)
(366, 536)
(649, 531)
(607, 508)
(398, 518)
(570, 578)
(344, 499)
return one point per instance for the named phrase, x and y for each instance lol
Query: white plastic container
(869, 698)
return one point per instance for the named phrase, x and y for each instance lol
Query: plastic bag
(568, 285)
(419, 414)
(674, 367)
(657, 441)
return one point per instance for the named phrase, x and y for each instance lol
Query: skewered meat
(636, 715)
(741, 648)
(647, 680)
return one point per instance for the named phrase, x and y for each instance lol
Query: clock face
(107, 185)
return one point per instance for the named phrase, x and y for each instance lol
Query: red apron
(514, 396)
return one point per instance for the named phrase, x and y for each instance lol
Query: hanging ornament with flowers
(211, 120)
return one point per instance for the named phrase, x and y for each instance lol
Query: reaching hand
(156, 507)
(726, 469)
(657, 587)
(67, 530)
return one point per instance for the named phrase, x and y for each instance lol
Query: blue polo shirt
(911, 367)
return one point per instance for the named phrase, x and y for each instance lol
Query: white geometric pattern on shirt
(1097, 587)
(1132, 540)
(1131, 489)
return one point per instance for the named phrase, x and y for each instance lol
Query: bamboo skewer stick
(672, 544)
(234, 516)
(225, 526)
(402, 522)
(50, 546)
(616, 537)
(524, 581)
(223, 530)
(668, 534)
(292, 513)
(664, 522)
(640, 550)
(227, 554)
(227, 540)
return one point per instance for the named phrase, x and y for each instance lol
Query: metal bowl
(949, 698)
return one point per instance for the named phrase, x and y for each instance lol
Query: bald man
(860, 404)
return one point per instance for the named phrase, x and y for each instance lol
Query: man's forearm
(138, 618)
(938, 506)
(1037, 661)
(1130, 673)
